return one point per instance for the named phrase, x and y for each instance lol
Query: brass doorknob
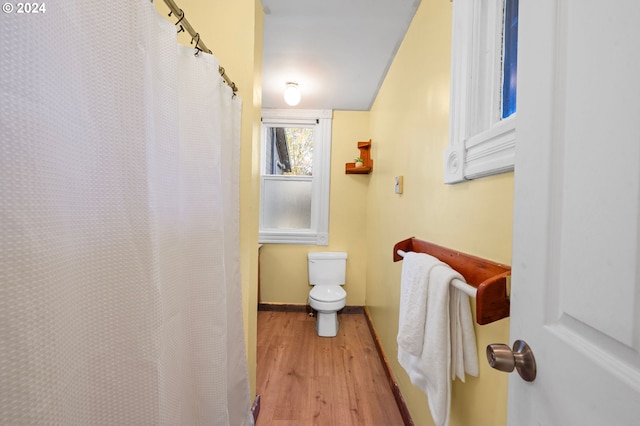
(503, 358)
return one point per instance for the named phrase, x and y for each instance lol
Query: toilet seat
(327, 293)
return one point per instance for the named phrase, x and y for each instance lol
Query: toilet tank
(327, 267)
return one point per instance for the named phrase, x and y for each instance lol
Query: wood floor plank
(304, 379)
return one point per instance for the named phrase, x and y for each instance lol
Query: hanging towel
(464, 354)
(446, 348)
(416, 269)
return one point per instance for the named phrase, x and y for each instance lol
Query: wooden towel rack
(490, 278)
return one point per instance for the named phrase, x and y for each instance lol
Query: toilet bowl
(327, 272)
(327, 300)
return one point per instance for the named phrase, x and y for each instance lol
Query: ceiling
(338, 51)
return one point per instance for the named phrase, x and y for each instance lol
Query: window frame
(318, 233)
(481, 143)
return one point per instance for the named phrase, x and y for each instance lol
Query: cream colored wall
(233, 31)
(409, 127)
(283, 267)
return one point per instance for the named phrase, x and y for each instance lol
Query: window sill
(294, 237)
(489, 153)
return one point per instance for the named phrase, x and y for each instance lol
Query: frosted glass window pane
(287, 203)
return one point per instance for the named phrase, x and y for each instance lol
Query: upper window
(483, 89)
(509, 58)
(294, 183)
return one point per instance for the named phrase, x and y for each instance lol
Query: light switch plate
(399, 184)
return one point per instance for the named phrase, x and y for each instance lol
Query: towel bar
(460, 285)
(486, 280)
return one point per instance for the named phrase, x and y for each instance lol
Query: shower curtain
(119, 237)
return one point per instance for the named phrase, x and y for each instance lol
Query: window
(294, 176)
(483, 89)
(509, 58)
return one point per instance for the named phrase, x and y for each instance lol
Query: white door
(576, 269)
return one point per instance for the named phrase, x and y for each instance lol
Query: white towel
(448, 341)
(464, 354)
(416, 269)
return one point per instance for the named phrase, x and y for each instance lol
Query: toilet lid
(327, 293)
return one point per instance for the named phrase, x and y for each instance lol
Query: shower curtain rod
(195, 36)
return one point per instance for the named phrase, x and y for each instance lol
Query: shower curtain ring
(197, 38)
(181, 18)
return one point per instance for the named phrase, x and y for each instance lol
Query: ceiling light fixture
(292, 94)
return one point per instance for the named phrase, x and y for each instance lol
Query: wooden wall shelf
(490, 278)
(365, 154)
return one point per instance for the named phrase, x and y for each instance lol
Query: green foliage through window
(300, 144)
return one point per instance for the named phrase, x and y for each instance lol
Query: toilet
(327, 275)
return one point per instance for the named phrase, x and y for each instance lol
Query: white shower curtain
(119, 237)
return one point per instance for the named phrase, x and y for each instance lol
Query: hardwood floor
(304, 379)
